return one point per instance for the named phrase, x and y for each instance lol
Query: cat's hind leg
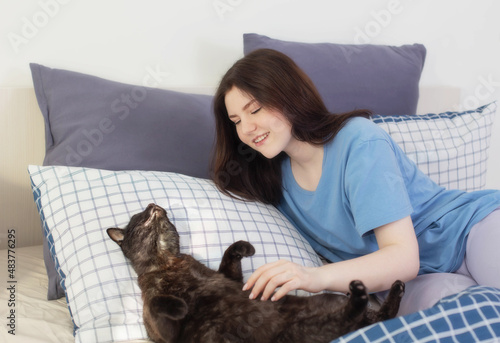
(390, 306)
(163, 318)
(230, 265)
(168, 306)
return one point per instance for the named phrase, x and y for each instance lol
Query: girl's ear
(116, 235)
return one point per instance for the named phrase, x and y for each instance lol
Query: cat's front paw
(358, 293)
(240, 249)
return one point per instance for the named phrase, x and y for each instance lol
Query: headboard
(23, 144)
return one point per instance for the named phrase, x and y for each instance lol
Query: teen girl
(349, 189)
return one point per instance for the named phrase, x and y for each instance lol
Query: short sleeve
(374, 185)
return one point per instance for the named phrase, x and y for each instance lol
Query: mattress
(35, 319)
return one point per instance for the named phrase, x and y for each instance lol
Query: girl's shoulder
(360, 129)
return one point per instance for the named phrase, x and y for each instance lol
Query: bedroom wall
(192, 43)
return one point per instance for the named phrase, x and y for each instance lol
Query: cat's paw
(241, 249)
(398, 289)
(390, 306)
(358, 292)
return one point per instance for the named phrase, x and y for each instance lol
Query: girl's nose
(247, 126)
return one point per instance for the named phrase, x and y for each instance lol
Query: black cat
(184, 301)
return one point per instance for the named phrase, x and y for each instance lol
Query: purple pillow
(383, 79)
(97, 123)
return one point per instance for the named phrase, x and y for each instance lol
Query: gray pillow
(383, 79)
(97, 123)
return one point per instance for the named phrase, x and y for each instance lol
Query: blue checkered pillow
(77, 205)
(451, 147)
(473, 315)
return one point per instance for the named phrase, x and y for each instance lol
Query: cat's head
(148, 237)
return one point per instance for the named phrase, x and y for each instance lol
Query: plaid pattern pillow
(451, 147)
(77, 205)
(472, 315)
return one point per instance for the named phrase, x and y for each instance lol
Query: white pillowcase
(451, 147)
(77, 205)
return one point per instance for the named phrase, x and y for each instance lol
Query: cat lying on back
(185, 301)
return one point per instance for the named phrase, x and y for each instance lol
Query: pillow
(383, 79)
(472, 315)
(451, 147)
(93, 122)
(77, 205)
(96, 123)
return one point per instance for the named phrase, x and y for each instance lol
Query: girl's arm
(396, 259)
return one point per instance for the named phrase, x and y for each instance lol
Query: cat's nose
(156, 207)
(151, 208)
(156, 210)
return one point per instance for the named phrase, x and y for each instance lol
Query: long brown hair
(276, 82)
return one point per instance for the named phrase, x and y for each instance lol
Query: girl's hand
(396, 259)
(288, 275)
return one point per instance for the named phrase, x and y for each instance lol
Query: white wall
(192, 42)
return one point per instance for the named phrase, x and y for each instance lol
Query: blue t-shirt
(367, 181)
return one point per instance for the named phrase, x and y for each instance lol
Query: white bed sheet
(37, 319)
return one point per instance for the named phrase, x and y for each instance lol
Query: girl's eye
(257, 110)
(236, 122)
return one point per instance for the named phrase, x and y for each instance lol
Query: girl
(349, 189)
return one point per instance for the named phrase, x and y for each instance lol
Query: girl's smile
(259, 140)
(265, 130)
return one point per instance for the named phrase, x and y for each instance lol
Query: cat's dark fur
(184, 301)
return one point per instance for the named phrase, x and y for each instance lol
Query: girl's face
(267, 131)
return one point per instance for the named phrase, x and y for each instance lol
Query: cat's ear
(116, 234)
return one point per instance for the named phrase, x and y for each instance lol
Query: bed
(93, 174)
